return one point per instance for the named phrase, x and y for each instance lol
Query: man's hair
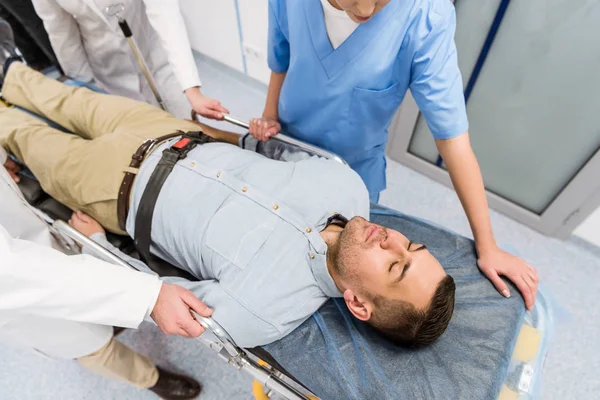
(406, 326)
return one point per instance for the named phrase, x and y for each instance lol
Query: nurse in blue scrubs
(341, 68)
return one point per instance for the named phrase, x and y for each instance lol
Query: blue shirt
(344, 99)
(249, 227)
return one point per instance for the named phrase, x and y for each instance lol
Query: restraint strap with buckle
(127, 183)
(143, 219)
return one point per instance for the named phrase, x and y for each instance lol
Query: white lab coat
(53, 302)
(88, 44)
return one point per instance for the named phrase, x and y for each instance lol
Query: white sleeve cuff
(153, 299)
(190, 82)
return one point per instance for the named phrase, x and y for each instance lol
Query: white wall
(254, 20)
(590, 228)
(213, 28)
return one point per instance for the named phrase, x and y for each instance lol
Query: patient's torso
(253, 224)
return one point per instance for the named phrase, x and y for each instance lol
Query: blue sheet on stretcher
(338, 357)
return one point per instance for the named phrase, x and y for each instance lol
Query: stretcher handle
(289, 140)
(212, 326)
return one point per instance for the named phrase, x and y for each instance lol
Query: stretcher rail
(291, 141)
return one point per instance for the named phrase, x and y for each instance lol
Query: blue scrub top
(344, 99)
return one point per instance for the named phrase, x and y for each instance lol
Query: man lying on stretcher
(271, 241)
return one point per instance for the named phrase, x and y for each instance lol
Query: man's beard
(348, 246)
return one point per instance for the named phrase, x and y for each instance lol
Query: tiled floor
(570, 270)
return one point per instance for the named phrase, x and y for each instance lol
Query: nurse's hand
(205, 106)
(495, 263)
(264, 129)
(13, 169)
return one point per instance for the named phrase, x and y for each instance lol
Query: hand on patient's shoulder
(85, 224)
(264, 129)
(497, 262)
(13, 169)
(172, 311)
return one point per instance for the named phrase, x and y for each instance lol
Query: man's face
(376, 261)
(360, 11)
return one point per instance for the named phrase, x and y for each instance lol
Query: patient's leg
(91, 114)
(79, 173)
(80, 110)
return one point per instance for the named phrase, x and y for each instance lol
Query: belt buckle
(152, 143)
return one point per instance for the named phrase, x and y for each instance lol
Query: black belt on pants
(143, 218)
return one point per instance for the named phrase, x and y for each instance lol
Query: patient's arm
(247, 329)
(171, 308)
(218, 134)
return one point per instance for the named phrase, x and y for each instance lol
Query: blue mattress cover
(338, 357)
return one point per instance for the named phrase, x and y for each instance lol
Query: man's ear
(360, 307)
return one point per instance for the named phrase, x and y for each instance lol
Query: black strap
(143, 219)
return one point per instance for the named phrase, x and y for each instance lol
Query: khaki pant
(83, 171)
(117, 361)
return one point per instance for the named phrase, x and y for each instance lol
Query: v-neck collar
(333, 60)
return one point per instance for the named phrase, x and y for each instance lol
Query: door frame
(575, 202)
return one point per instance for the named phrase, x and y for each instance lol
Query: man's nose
(388, 243)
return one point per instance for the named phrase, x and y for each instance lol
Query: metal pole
(115, 10)
(83, 240)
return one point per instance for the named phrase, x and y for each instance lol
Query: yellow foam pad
(507, 394)
(528, 343)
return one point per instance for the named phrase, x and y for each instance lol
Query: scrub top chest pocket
(371, 112)
(237, 236)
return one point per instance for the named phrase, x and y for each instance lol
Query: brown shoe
(172, 386)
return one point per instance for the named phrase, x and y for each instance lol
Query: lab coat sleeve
(278, 56)
(40, 281)
(3, 156)
(166, 19)
(436, 82)
(65, 38)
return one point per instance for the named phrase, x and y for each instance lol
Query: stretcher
(493, 348)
